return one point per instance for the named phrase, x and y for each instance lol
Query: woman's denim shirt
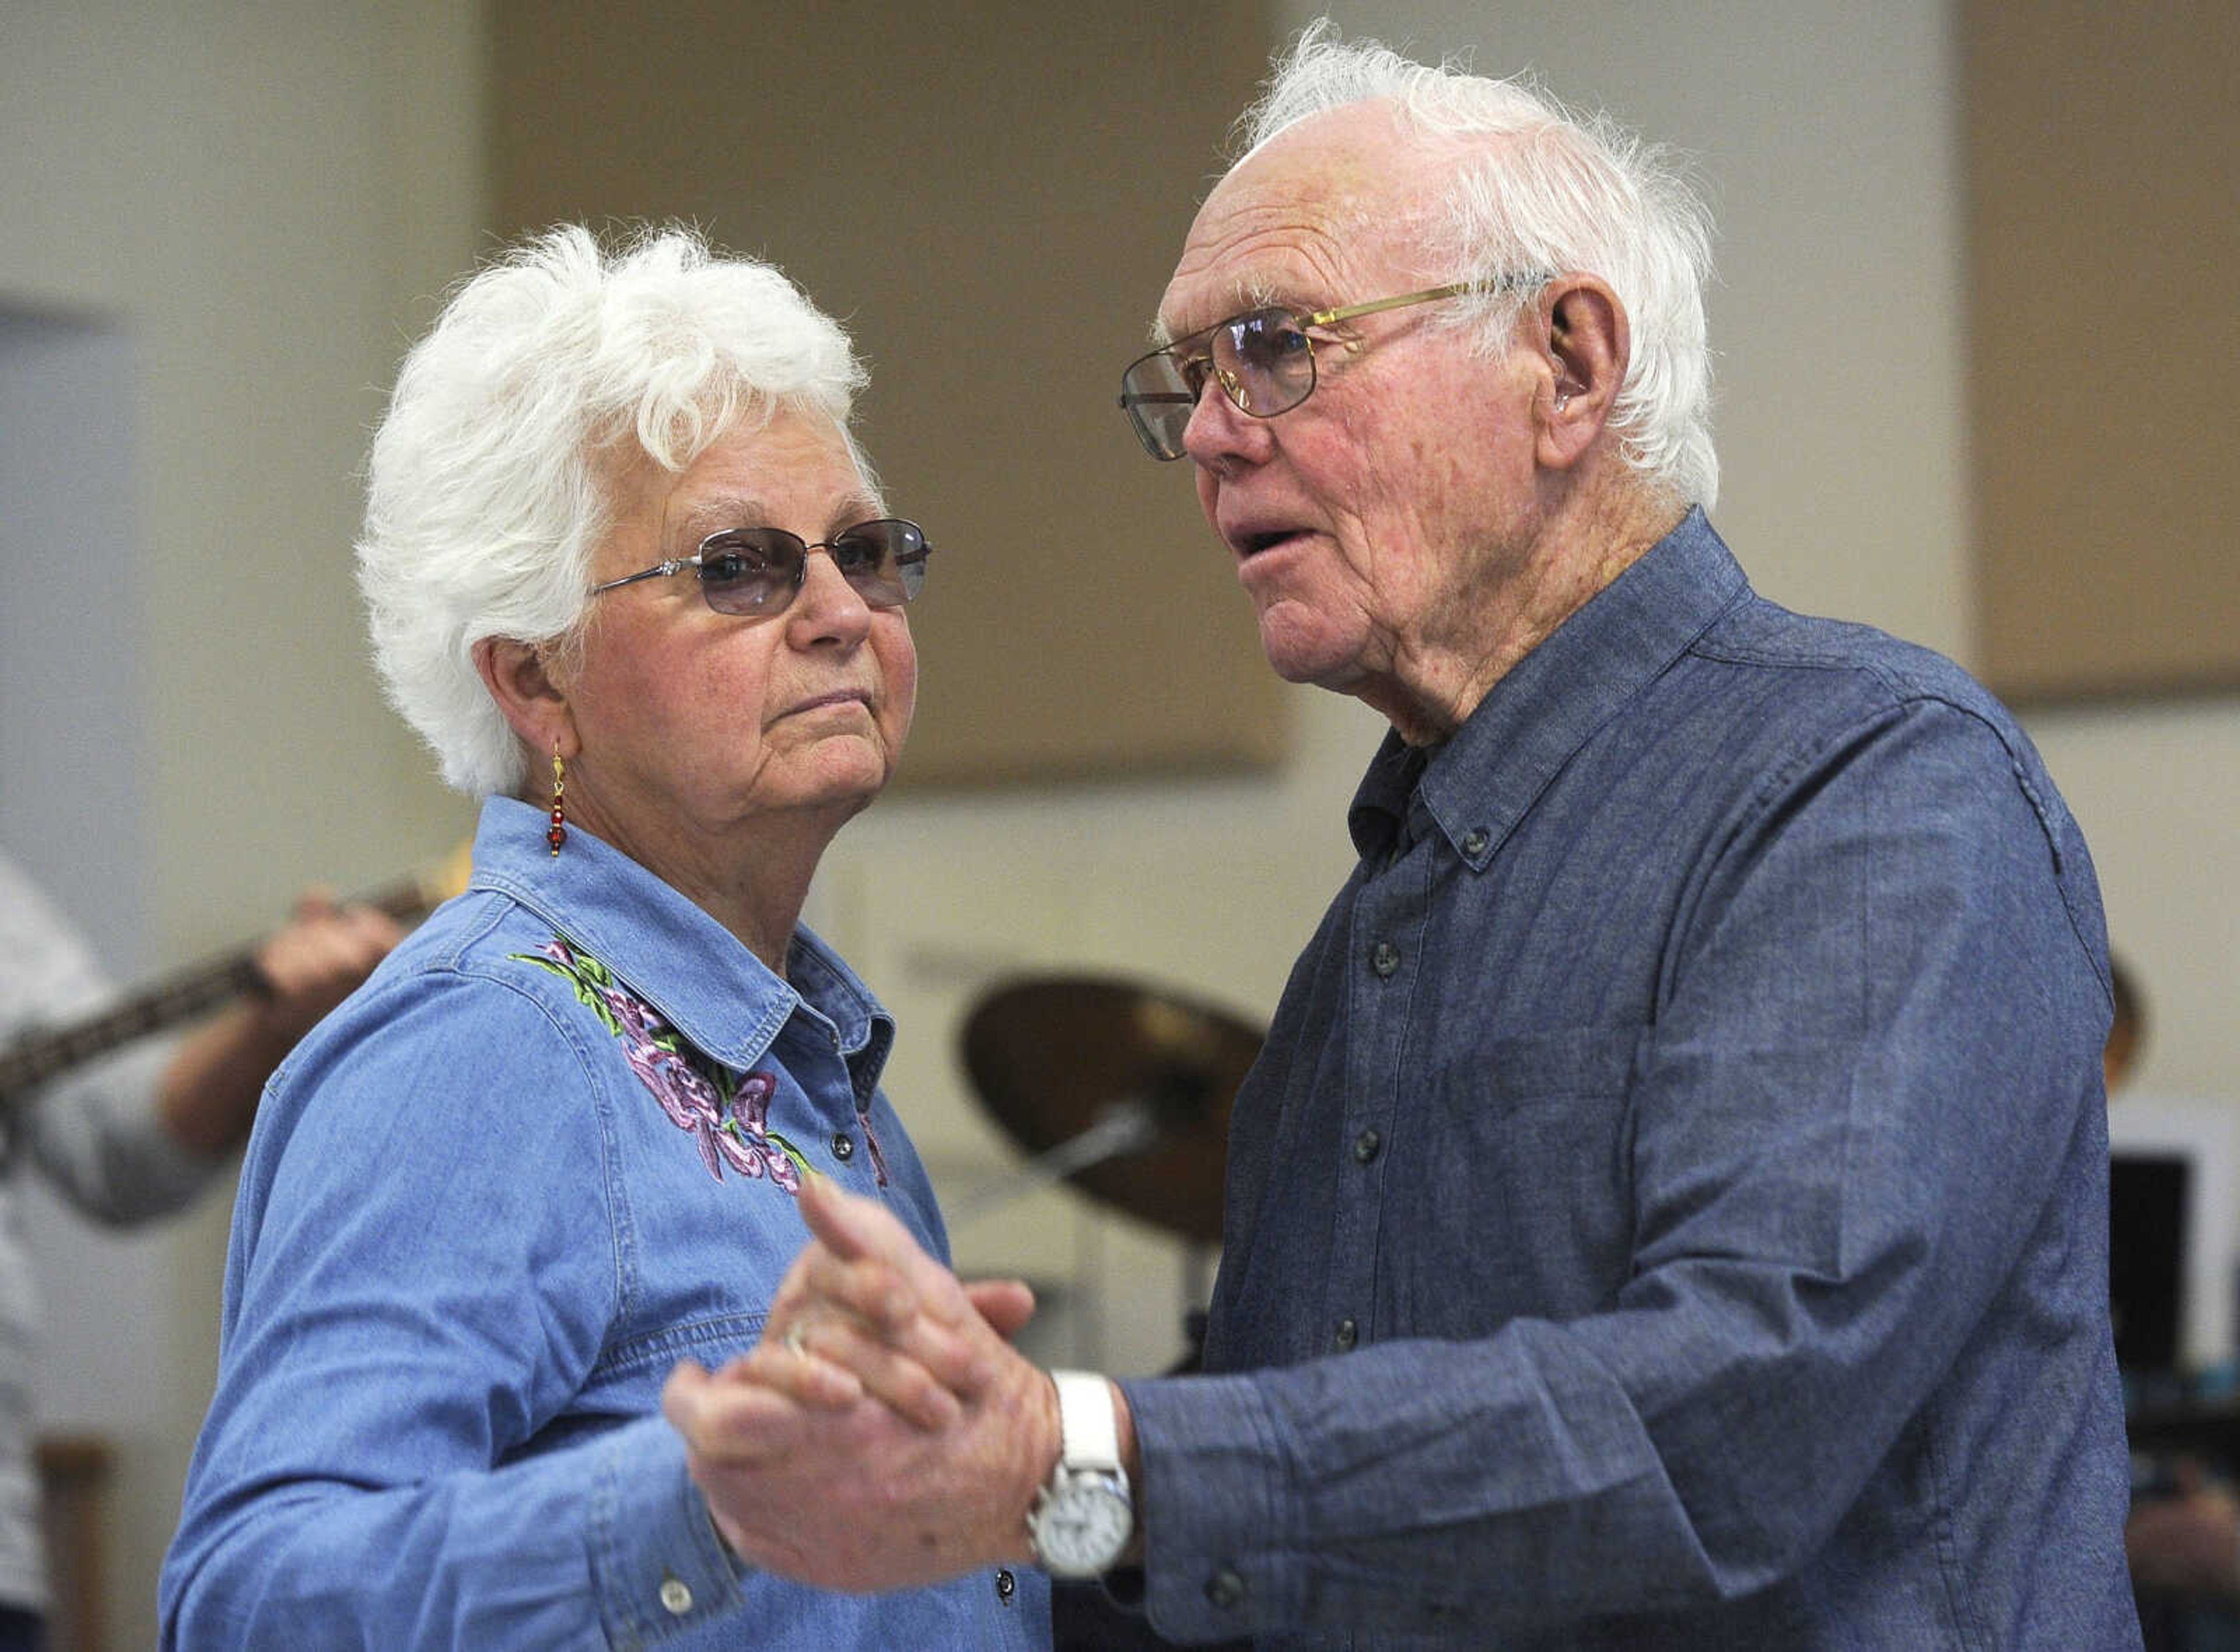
(547, 1152)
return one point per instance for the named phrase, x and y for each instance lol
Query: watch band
(1088, 1421)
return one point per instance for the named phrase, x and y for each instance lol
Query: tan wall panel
(992, 197)
(2103, 236)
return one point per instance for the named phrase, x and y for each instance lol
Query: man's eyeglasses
(1263, 360)
(757, 572)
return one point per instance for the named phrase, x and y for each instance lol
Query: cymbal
(1053, 1057)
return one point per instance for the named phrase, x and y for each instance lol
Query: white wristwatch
(1081, 1520)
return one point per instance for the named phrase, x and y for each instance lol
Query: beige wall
(269, 193)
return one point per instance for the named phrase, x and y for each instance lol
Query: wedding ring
(794, 1340)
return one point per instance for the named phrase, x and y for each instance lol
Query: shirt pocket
(1528, 1175)
(627, 1381)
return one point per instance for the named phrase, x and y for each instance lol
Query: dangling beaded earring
(558, 835)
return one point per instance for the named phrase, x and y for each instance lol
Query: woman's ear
(520, 679)
(1588, 345)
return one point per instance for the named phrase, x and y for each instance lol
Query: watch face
(1083, 1527)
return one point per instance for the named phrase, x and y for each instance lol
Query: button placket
(1389, 916)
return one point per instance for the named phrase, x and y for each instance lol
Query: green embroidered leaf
(598, 1007)
(793, 1153)
(588, 995)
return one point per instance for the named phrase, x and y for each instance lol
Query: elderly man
(1669, 1208)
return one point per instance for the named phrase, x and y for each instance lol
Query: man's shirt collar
(1477, 786)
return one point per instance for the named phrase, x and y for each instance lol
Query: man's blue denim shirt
(488, 1206)
(1670, 1208)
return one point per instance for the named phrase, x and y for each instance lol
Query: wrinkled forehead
(1314, 217)
(795, 467)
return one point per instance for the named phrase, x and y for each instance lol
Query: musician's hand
(317, 960)
(884, 1434)
(208, 1094)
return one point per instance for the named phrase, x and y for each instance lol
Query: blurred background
(221, 224)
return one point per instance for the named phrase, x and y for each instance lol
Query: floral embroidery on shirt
(726, 1113)
(871, 1141)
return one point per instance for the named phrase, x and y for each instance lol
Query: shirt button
(676, 1596)
(1006, 1586)
(1225, 1589)
(1384, 960)
(1348, 1334)
(843, 1146)
(1474, 842)
(1366, 1144)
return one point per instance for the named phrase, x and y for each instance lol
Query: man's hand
(317, 960)
(209, 1088)
(884, 1434)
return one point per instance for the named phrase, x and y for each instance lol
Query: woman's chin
(842, 774)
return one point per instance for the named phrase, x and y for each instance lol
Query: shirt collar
(1479, 784)
(706, 983)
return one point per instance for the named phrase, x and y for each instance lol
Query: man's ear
(1587, 344)
(519, 677)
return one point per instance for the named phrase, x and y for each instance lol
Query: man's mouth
(1249, 545)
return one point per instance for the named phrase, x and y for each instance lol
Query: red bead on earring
(558, 835)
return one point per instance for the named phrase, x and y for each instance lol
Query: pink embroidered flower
(641, 1021)
(689, 1100)
(728, 1118)
(878, 1159)
(748, 1123)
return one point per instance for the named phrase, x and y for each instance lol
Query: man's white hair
(1537, 187)
(490, 483)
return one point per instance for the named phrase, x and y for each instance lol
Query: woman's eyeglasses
(1263, 360)
(757, 572)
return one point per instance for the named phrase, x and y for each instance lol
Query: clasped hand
(883, 1433)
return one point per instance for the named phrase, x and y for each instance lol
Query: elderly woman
(631, 579)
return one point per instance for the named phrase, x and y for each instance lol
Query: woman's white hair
(490, 481)
(1536, 187)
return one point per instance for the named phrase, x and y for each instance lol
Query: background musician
(131, 1137)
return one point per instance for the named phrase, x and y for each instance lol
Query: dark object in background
(2150, 1214)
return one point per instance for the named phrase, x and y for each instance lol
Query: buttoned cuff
(1221, 1527)
(657, 1566)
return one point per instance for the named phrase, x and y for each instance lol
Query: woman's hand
(883, 1433)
